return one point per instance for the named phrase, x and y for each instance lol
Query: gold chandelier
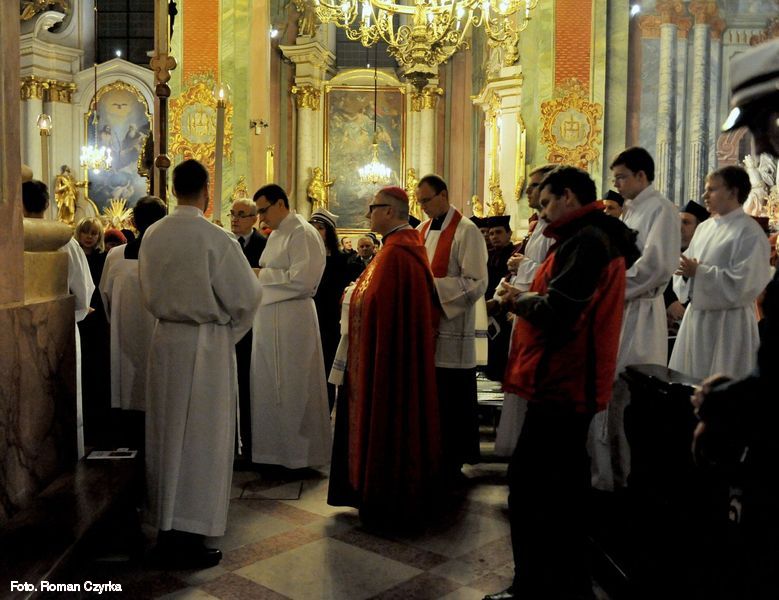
(428, 32)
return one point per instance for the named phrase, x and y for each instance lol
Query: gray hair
(401, 208)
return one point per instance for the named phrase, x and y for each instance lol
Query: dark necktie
(242, 241)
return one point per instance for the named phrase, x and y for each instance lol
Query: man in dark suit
(243, 218)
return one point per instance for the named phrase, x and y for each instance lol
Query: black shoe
(507, 594)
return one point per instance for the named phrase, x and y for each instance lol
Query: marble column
(665, 153)
(504, 164)
(423, 105)
(32, 90)
(698, 115)
(314, 65)
(37, 370)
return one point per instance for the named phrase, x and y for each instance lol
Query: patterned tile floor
(284, 541)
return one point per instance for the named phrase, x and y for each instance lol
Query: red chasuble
(393, 445)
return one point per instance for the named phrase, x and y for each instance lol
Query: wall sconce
(258, 126)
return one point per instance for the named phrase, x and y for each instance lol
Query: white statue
(762, 175)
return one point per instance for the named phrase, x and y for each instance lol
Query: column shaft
(699, 113)
(666, 111)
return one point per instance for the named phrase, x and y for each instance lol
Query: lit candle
(221, 95)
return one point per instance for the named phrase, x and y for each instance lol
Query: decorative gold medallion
(570, 126)
(193, 122)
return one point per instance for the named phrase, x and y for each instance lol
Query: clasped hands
(687, 266)
(513, 262)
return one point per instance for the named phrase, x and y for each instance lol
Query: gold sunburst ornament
(117, 213)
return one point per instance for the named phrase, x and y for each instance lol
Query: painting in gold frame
(123, 125)
(348, 146)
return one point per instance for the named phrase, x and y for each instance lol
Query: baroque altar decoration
(570, 125)
(192, 122)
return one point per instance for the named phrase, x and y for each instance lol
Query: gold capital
(32, 87)
(60, 91)
(306, 96)
(426, 99)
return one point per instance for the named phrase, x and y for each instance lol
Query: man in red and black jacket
(562, 361)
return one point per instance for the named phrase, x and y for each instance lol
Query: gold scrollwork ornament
(193, 123)
(570, 127)
(497, 205)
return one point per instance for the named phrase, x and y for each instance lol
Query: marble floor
(284, 541)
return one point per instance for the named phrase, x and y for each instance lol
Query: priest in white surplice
(458, 259)
(644, 337)
(197, 283)
(290, 413)
(721, 273)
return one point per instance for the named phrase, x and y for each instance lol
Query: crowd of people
(242, 343)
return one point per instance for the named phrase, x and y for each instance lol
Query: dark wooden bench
(666, 535)
(37, 542)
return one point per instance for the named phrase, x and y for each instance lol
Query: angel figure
(308, 23)
(414, 208)
(477, 206)
(65, 194)
(497, 205)
(317, 189)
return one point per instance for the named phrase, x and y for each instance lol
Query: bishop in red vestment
(387, 448)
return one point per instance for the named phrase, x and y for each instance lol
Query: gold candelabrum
(428, 32)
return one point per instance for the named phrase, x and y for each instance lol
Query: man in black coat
(243, 218)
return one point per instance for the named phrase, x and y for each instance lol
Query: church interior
(101, 99)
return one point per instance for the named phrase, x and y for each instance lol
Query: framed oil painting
(123, 124)
(348, 146)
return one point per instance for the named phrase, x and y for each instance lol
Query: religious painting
(348, 146)
(122, 125)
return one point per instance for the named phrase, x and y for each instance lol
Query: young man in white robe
(644, 337)
(197, 283)
(458, 259)
(35, 199)
(290, 412)
(722, 273)
(131, 323)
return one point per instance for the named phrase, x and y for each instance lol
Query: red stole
(440, 262)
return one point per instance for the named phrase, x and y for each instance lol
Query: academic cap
(616, 197)
(501, 221)
(697, 210)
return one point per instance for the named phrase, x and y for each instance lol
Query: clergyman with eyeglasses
(290, 412)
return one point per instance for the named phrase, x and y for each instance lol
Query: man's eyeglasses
(426, 200)
(371, 207)
(262, 211)
(241, 215)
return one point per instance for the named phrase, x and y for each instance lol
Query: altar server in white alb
(721, 273)
(131, 322)
(290, 413)
(195, 280)
(644, 337)
(458, 259)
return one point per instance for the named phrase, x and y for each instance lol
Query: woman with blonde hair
(95, 349)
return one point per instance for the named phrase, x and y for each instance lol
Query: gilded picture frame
(348, 146)
(123, 124)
